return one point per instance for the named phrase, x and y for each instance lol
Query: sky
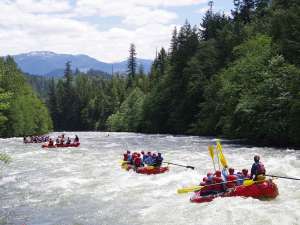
(102, 29)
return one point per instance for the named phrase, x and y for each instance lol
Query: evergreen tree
(132, 64)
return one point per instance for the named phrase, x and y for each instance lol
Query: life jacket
(231, 179)
(217, 186)
(137, 161)
(261, 169)
(125, 157)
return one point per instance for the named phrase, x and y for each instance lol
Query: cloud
(42, 6)
(57, 25)
(202, 10)
(27, 31)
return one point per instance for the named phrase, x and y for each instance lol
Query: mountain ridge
(48, 63)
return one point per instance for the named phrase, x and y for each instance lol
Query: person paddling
(231, 179)
(68, 141)
(258, 170)
(50, 142)
(76, 140)
(158, 161)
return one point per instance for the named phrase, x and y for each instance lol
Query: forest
(233, 76)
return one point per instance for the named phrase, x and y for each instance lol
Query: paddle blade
(189, 189)
(222, 157)
(211, 151)
(190, 167)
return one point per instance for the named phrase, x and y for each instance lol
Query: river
(86, 186)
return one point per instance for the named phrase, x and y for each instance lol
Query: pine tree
(131, 65)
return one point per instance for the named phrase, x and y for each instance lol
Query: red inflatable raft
(145, 170)
(263, 190)
(61, 145)
(152, 170)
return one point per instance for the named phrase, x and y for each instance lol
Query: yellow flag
(211, 151)
(222, 157)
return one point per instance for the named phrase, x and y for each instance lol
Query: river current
(86, 185)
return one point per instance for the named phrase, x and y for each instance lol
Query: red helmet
(231, 171)
(218, 173)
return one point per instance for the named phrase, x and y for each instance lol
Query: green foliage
(22, 112)
(286, 30)
(261, 96)
(129, 117)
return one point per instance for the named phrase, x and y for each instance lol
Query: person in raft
(258, 170)
(76, 140)
(68, 141)
(51, 143)
(158, 160)
(213, 184)
(137, 161)
(231, 179)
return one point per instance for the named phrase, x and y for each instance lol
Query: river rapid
(86, 186)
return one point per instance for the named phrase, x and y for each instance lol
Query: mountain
(46, 63)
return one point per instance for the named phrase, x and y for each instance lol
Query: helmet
(149, 153)
(209, 174)
(138, 154)
(142, 152)
(204, 179)
(256, 158)
(245, 171)
(154, 155)
(231, 171)
(128, 152)
(159, 154)
(218, 173)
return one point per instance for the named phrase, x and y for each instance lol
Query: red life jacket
(125, 157)
(261, 169)
(231, 178)
(217, 186)
(137, 162)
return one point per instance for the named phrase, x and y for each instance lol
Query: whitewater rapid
(86, 186)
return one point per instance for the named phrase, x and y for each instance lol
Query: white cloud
(202, 10)
(53, 25)
(42, 6)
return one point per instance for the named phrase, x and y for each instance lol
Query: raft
(262, 190)
(61, 145)
(145, 170)
(152, 170)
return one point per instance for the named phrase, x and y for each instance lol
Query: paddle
(189, 167)
(198, 188)
(290, 178)
(211, 153)
(222, 157)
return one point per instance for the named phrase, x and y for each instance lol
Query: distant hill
(45, 63)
